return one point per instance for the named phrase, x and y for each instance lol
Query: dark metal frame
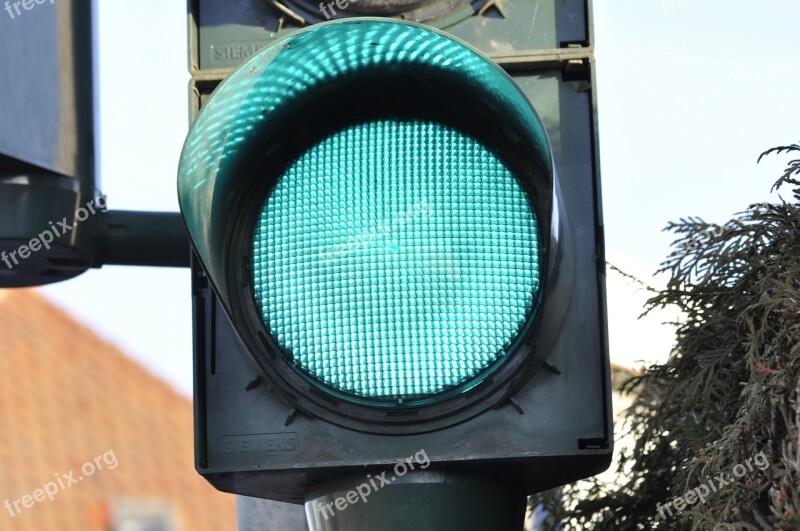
(236, 406)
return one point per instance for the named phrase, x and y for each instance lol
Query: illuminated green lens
(395, 261)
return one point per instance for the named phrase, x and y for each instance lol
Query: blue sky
(688, 99)
(690, 92)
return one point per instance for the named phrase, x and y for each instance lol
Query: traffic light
(388, 263)
(47, 148)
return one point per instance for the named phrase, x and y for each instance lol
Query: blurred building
(89, 440)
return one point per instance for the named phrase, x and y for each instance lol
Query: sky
(690, 92)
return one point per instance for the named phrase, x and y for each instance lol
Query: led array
(396, 260)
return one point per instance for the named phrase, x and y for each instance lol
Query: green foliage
(731, 388)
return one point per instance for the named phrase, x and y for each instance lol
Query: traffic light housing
(386, 263)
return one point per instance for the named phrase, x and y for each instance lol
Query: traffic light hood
(321, 78)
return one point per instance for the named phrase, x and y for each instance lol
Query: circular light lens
(396, 262)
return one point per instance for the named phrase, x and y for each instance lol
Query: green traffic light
(373, 202)
(395, 261)
(386, 260)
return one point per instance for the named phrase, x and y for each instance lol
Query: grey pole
(267, 515)
(417, 501)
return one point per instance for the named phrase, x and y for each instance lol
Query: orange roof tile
(66, 398)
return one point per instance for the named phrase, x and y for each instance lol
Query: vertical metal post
(267, 515)
(418, 501)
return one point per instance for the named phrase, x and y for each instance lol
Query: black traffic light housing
(548, 425)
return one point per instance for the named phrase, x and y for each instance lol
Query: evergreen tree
(723, 414)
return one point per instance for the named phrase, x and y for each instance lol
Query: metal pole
(267, 515)
(417, 501)
(143, 239)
